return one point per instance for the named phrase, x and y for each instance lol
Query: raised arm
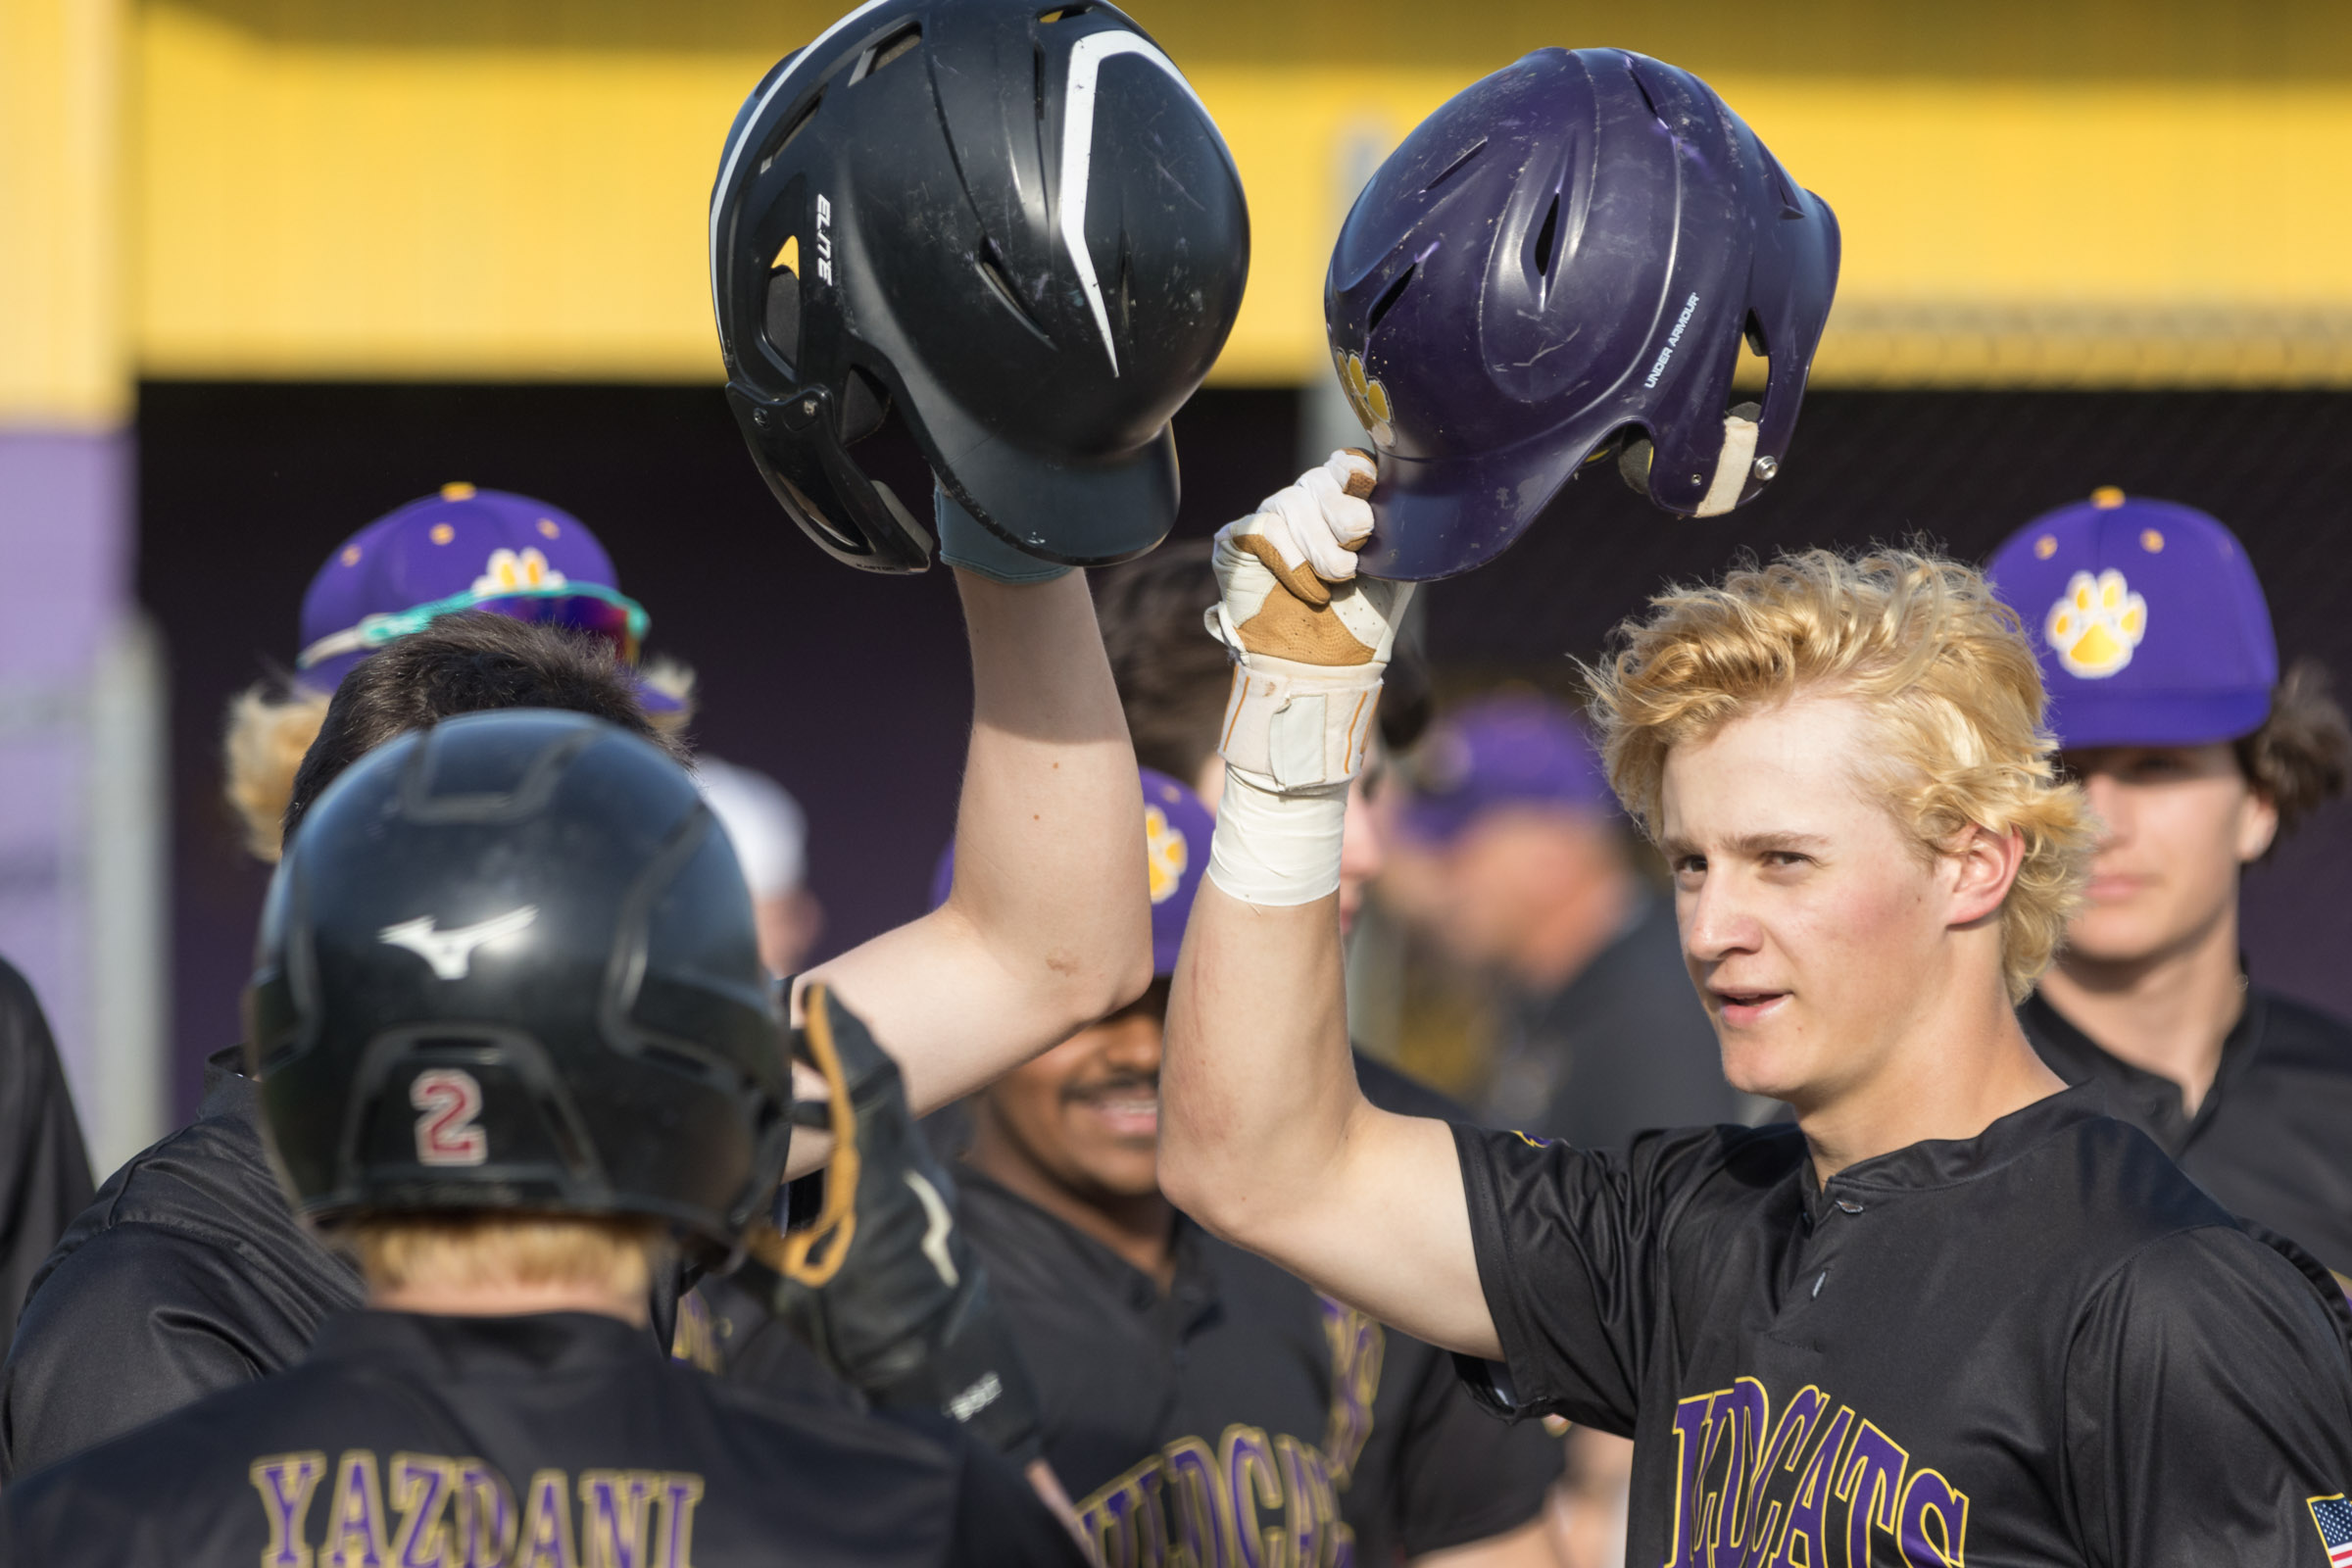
(1265, 1136)
(1048, 925)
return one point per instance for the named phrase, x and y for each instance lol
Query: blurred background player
(2156, 644)
(44, 1170)
(1512, 858)
(498, 1002)
(1190, 1389)
(461, 549)
(770, 834)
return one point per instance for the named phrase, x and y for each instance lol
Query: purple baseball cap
(2148, 621)
(464, 548)
(1176, 832)
(1500, 751)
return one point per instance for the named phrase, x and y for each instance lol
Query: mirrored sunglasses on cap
(587, 606)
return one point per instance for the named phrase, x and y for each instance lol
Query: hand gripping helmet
(510, 962)
(1011, 219)
(1561, 261)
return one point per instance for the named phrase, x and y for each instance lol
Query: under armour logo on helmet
(451, 952)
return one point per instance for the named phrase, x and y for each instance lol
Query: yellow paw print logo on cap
(1367, 397)
(1165, 852)
(2096, 623)
(509, 572)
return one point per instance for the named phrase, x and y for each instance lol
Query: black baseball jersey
(2041, 1345)
(44, 1172)
(554, 1441)
(189, 1274)
(1241, 1402)
(2273, 1139)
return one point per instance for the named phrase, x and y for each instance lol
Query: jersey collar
(1937, 1162)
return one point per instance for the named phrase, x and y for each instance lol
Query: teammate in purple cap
(2165, 693)
(1514, 860)
(1189, 1388)
(461, 549)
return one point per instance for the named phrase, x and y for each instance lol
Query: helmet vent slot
(864, 404)
(1547, 237)
(781, 323)
(1053, 14)
(1389, 296)
(898, 44)
(800, 122)
(1000, 283)
(1456, 168)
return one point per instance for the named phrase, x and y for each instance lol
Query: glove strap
(1294, 726)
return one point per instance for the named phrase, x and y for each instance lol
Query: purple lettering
(612, 1516)
(355, 1525)
(1809, 1516)
(1203, 1523)
(1871, 1488)
(1736, 1428)
(1787, 1451)
(1932, 1506)
(285, 1482)
(681, 1490)
(547, 1523)
(421, 1485)
(1252, 1483)
(485, 1515)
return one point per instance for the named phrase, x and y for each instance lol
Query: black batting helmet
(510, 962)
(1013, 219)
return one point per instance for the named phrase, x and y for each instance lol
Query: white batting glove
(1309, 638)
(1309, 641)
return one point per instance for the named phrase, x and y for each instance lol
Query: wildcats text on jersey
(1253, 1496)
(462, 1513)
(1816, 1488)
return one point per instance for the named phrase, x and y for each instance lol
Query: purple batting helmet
(2147, 619)
(1176, 832)
(1564, 256)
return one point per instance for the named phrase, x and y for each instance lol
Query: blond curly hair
(1945, 674)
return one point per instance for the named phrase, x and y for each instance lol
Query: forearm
(1047, 926)
(1257, 1089)
(1047, 863)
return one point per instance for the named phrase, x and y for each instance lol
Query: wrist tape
(1277, 848)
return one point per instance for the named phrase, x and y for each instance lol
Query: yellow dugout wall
(2114, 194)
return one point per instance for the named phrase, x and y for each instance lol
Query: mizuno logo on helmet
(451, 952)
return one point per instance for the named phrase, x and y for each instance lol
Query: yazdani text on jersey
(2041, 1345)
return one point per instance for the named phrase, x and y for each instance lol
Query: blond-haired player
(1955, 1312)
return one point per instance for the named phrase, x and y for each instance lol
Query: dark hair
(465, 663)
(2301, 756)
(1173, 677)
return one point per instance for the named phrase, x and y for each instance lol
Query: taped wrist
(1277, 848)
(964, 542)
(1298, 726)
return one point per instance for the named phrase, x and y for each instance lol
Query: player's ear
(1982, 866)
